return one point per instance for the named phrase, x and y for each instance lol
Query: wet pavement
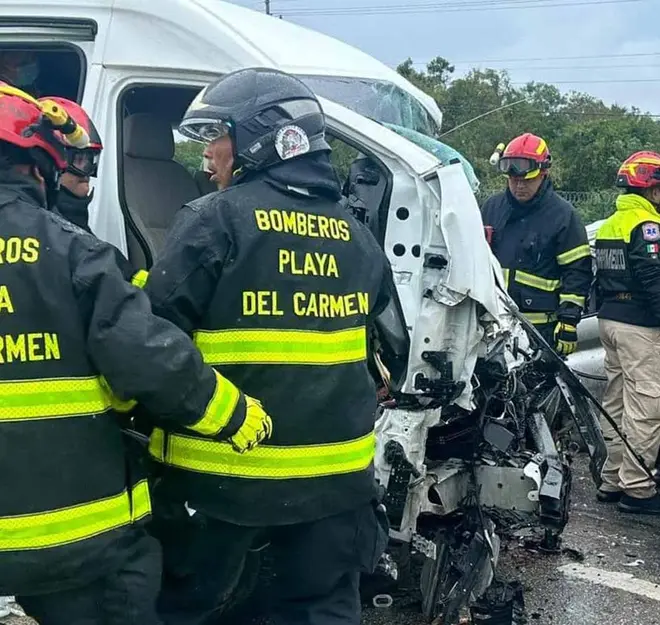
(617, 582)
(609, 571)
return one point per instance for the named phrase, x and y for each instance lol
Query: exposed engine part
(424, 546)
(502, 604)
(387, 567)
(458, 474)
(554, 493)
(397, 488)
(441, 388)
(582, 394)
(462, 570)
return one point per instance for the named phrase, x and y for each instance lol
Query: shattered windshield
(377, 99)
(443, 152)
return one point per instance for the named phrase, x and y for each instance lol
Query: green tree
(189, 154)
(588, 139)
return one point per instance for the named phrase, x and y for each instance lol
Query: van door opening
(153, 182)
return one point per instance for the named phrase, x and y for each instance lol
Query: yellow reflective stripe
(141, 500)
(68, 525)
(157, 444)
(506, 273)
(139, 278)
(577, 253)
(119, 405)
(540, 318)
(573, 299)
(220, 409)
(282, 347)
(51, 398)
(536, 282)
(264, 461)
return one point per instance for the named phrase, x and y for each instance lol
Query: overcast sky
(474, 30)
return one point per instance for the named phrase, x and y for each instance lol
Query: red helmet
(23, 124)
(82, 162)
(640, 171)
(526, 156)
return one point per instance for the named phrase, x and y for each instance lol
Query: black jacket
(276, 281)
(543, 248)
(73, 208)
(628, 265)
(72, 328)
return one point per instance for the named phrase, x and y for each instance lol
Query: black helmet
(271, 117)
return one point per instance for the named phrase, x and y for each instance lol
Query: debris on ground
(502, 604)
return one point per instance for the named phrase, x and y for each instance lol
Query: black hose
(589, 376)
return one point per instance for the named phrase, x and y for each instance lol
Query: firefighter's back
(60, 447)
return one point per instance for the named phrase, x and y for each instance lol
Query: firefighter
(74, 195)
(541, 243)
(277, 283)
(72, 543)
(628, 284)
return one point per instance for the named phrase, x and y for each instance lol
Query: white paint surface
(612, 579)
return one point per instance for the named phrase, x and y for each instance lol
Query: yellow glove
(256, 428)
(566, 339)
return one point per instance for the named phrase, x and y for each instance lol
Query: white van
(135, 65)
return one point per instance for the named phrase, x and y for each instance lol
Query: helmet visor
(84, 163)
(205, 130)
(518, 167)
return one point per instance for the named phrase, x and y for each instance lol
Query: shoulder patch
(651, 231)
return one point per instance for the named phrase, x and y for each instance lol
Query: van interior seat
(155, 185)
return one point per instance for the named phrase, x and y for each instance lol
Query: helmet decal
(291, 141)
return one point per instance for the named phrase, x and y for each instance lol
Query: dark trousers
(314, 579)
(125, 597)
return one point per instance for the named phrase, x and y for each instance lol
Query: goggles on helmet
(84, 163)
(518, 166)
(205, 130)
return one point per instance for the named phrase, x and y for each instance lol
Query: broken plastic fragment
(9, 607)
(383, 601)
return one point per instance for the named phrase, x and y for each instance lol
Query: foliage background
(588, 139)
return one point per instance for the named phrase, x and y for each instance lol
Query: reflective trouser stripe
(282, 347)
(52, 398)
(264, 461)
(68, 525)
(506, 273)
(577, 253)
(536, 282)
(540, 318)
(139, 278)
(572, 298)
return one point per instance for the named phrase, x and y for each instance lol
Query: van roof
(216, 37)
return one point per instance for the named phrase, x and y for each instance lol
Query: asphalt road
(617, 582)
